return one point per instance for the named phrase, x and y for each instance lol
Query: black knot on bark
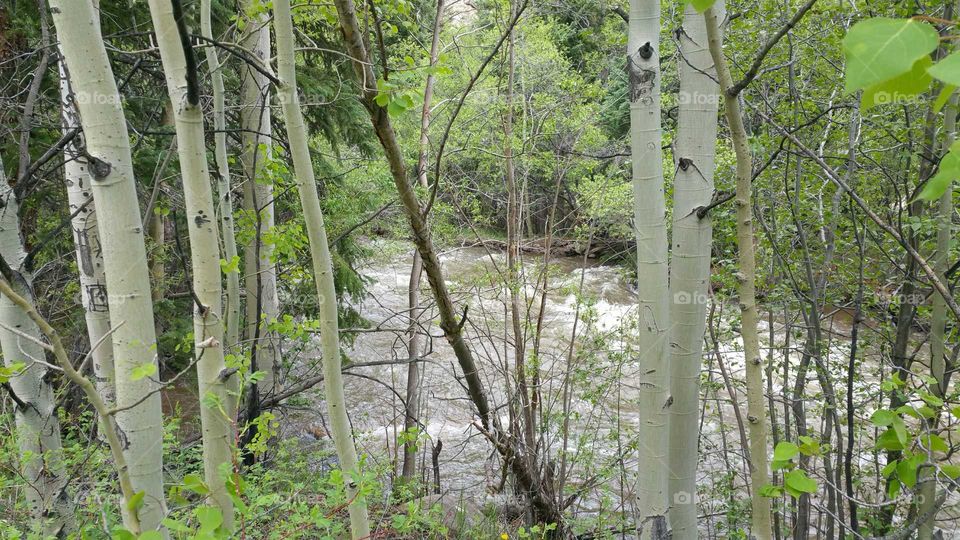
(99, 168)
(685, 163)
(645, 51)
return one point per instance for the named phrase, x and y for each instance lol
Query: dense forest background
(478, 269)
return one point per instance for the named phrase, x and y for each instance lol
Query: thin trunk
(260, 277)
(140, 421)
(412, 409)
(525, 415)
(180, 69)
(695, 149)
(323, 273)
(938, 319)
(756, 415)
(156, 231)
(643, 71)
(38, 428)
(231, 310)
(851, 371)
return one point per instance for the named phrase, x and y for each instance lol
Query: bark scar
(641, 79)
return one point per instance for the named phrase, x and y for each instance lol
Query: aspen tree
(86, 241)
(756, 411)
(322, 265)
(38, 428)
(694, 152)
(180, 70)
(139, 418)
(643, 72)
(260, 278)
(231, 311)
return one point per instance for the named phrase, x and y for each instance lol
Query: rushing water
(600, 302)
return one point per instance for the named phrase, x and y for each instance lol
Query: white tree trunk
(643, 71)
(216, 425)
(86, 240)
(38, 428)
(756, 410)
(694, 152)
(124, 253)
(260, 278)
(323, 272)
(231, 313)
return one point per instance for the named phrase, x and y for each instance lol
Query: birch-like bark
(938, 320)
(260, 278)
(412, 409)
(179, 67)
(650, 222)
(694, 153)
(38, 428)
(231, 310)
(322, 265)
(756, 413)
(86, 241)
(140, 421)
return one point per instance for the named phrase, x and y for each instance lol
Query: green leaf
(893, 489)
(8, 372)
(880, 48)
(143, 370)
(785, 451)
(229, 267)
(931, 400)
(935, 443)
(953, 471)
(809, 446)
(948, 172)
(907, 469)
(702, 5)
(122, 534)
(195, 484)
(174, 525)
(883, 418)
(944, 96)
(901, 89)
(947, 70)
(797, 482)
(395, 108)
(771, 491)
(889, 441)
(136, 501)
(209, 517)
(900, 428)
(150, 535)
